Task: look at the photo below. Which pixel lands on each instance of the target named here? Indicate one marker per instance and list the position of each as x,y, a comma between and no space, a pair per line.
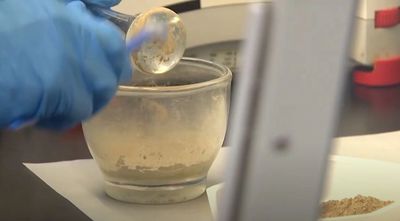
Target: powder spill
352,206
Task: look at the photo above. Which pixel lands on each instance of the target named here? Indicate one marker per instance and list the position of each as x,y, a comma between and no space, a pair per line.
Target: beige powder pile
352,206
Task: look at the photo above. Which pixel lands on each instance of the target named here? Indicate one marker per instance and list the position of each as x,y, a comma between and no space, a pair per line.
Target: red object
385,73
387,18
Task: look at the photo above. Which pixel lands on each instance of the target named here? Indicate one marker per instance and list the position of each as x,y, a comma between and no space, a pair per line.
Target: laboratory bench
24,196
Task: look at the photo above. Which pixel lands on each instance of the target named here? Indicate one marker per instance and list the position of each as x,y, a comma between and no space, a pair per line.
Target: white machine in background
217,30
215,27
376,42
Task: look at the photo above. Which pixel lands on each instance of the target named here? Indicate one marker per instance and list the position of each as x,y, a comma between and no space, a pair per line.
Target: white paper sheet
80,182
348,177
384,146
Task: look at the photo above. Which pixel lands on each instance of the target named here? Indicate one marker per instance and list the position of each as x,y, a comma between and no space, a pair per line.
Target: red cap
387,17
386,72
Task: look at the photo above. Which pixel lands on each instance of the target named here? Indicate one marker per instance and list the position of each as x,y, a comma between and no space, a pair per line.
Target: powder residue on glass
159,55
165,140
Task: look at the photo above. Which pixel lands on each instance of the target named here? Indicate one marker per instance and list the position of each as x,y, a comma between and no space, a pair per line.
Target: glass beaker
157,139
160,54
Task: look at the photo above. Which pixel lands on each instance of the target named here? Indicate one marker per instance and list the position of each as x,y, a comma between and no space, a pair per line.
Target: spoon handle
123,21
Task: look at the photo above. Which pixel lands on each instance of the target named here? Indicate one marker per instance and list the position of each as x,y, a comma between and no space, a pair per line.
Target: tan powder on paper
352,206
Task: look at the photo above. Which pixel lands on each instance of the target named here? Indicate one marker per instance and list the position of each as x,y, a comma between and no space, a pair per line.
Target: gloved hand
101,3
59,64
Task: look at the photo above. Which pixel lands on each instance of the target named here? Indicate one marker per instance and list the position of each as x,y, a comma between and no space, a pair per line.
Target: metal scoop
159,32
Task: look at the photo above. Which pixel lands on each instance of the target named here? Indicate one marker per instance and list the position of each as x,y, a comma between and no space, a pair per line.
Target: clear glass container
158,137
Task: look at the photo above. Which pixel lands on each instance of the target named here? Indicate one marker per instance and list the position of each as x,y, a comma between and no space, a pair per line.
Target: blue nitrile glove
101,3
58,63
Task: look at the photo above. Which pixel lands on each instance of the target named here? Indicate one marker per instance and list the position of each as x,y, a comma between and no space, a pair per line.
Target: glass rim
227,75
